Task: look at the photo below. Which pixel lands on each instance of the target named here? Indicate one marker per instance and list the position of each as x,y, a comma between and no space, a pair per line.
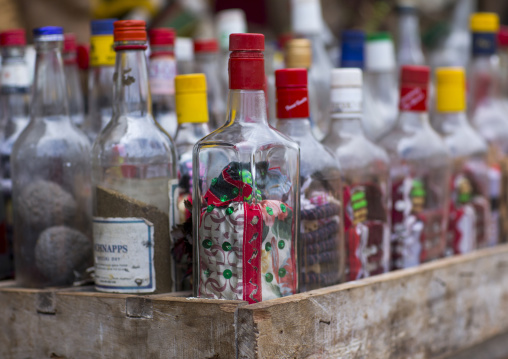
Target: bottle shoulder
465,142
357,152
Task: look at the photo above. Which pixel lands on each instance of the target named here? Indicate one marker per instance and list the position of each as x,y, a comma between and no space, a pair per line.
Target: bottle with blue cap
51,179
100,75
352,49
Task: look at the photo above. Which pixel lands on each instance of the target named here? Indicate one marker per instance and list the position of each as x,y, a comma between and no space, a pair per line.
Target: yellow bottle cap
190,98
450,89
298,53
484,22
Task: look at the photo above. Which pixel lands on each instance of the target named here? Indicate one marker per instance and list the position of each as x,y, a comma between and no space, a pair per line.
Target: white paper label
123,252
15,75
346,100
162,75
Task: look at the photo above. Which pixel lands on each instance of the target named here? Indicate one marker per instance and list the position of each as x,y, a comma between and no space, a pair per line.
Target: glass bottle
184,53
100,77
487,108
162,72
381,97
133,170
307,22
207,62
469,224
420,175
409,50
321,251
14,109
74,91
365,179
51,179
192,114
502,43
245,179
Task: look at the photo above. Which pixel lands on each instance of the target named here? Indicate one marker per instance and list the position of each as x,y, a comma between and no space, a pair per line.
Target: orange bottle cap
130,30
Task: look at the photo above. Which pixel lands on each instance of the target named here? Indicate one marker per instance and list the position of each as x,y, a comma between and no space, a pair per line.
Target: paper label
162,72
102,52
124,252
174,218
346,100
15,75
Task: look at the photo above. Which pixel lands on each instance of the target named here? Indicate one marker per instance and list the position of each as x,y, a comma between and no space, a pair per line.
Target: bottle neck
246,107
409,40
49,95
191,132
14,71
346,112
131,92
411,121
296,128
380,84
162,50
449,122
70,59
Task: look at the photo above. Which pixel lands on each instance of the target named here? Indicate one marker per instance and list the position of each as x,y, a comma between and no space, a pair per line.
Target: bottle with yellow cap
487,109
470,215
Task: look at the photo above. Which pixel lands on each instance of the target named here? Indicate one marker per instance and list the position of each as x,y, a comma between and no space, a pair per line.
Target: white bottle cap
184,49
346,77
231,21
379,54
346,91
306,17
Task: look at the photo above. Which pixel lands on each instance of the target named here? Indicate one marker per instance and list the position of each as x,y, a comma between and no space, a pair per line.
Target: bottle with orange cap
51,189
420,173
246,193
134,169
74,91
469,224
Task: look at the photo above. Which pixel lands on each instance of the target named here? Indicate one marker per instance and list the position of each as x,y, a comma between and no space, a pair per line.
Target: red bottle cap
206,45
246,62
129,30
414,82
292,94
83,56
69,43
502,36
162,37
14,37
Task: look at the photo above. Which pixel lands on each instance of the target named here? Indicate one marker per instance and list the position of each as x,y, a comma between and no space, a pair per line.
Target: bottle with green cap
470,217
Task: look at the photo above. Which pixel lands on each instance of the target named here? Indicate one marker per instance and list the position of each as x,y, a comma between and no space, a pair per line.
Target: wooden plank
494,348
425,312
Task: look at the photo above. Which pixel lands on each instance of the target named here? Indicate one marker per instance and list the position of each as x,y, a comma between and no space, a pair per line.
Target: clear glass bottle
409,49
365,179
50,164
321,241
246,180
133,170
100,77
192,114
74,91
487,108
162,72
184,53
15,112
207,62
420,173
381,95
469,224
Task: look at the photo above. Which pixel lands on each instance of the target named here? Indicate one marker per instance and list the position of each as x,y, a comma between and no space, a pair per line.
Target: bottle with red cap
134,168
365,176
74,91
51,179
420,175
246,192
321,252
100,77
206,53
162,72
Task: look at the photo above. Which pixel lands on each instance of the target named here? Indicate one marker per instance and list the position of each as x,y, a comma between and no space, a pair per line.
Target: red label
292,103
413,98
252,253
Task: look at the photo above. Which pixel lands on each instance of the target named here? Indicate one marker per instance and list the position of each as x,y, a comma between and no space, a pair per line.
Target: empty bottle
74,91
409,50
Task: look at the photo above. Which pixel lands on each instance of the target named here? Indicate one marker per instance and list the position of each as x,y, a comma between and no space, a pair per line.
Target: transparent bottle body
184,67
322,251
366,196
245,179
100,100
133,165
208,64
470,224
74,91
51,184
420,175
409,45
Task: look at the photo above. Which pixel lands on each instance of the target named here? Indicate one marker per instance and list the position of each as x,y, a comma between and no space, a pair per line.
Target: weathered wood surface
38,324
494,348
426,312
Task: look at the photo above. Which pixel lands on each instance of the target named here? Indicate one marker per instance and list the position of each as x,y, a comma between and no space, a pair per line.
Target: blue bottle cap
353,47
48,30
102,27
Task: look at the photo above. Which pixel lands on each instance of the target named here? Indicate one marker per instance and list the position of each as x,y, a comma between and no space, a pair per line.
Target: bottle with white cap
307,21
409,45
366,179
184,54
420,169
381,96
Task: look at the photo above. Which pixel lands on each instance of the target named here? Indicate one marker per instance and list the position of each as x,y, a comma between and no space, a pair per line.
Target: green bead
268,246
282,272
269,277
230,210
235,191
207,243
269,211
283,207
227,274
281,244
226,246
207,272
224,198
214,181
210,208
